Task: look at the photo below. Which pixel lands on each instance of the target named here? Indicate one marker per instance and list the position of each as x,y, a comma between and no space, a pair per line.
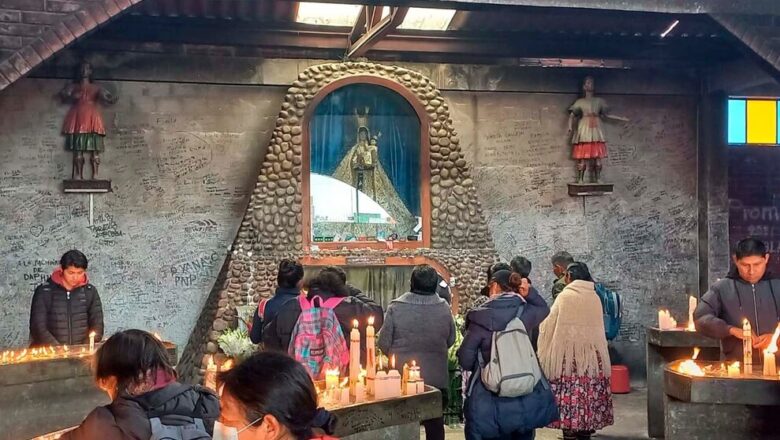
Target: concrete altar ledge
47,395
679,338
382,414
750,390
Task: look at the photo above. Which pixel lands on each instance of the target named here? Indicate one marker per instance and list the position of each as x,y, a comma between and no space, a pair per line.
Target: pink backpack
317,340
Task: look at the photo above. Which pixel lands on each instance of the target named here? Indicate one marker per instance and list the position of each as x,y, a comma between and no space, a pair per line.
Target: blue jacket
272,307
488,415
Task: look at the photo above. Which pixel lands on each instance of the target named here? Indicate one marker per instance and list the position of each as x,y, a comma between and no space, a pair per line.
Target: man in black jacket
66,308
749,292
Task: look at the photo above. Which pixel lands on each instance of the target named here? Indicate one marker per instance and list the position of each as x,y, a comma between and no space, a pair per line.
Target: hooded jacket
272,306
733,299
419,327
126,417
488,415
60,316
278,333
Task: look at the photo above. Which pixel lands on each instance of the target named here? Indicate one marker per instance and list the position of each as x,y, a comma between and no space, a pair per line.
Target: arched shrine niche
277,222
368,175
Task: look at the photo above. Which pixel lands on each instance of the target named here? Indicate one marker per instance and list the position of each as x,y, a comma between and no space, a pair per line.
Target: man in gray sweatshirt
748,292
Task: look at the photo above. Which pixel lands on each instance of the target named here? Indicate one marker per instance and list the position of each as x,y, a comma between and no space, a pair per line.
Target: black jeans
434,428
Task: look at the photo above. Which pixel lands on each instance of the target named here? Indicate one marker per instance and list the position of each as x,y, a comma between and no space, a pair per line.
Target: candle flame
392,362
92,334
696,351
227,365
690,368
371,320
355,323
414,363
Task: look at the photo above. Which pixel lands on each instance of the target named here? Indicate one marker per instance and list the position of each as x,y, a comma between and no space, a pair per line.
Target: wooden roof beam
375,33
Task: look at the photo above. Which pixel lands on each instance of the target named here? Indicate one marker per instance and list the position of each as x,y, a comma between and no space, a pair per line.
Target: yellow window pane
761,122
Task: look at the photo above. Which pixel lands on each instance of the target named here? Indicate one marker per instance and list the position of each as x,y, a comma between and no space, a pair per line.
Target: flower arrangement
235,343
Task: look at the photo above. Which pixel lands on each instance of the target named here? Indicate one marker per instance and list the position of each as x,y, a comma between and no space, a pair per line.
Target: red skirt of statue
84,117
589,150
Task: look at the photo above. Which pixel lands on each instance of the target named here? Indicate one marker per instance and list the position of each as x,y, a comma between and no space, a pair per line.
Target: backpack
513,369
613,310
317,340
176,426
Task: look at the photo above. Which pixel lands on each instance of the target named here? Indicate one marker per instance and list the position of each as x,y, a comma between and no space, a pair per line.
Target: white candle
210,381
733,370
370,356
691,308
414,371
770,368
331,378
92,335
380,385
747,346
354,358
420,386
393,380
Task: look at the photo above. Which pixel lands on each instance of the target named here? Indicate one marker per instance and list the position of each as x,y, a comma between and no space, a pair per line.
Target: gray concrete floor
630,421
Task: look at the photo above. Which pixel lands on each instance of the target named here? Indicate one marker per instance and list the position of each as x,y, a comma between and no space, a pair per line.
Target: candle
92,335
770,369
405,380
394,383
354,359
665,320
733,370
370,356
210,380
747,347
420,386
691,308
331,378
380,385
415,371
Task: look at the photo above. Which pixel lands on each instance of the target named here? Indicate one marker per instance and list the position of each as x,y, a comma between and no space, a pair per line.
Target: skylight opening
427,19
327,14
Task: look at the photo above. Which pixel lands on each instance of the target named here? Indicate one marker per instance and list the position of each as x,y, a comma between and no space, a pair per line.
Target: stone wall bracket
590,189
91,187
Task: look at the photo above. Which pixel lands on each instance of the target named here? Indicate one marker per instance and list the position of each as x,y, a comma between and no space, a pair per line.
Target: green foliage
235,343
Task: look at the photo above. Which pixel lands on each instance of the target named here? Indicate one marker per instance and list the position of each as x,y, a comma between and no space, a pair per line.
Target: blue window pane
737,123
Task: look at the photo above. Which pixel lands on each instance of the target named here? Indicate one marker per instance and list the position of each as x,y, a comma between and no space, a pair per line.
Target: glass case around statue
365,167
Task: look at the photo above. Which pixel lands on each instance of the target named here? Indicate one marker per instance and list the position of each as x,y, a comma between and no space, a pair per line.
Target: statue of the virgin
361,169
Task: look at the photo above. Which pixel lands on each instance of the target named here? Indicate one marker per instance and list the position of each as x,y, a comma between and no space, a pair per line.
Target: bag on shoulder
177,426
317,340
613,310
513,369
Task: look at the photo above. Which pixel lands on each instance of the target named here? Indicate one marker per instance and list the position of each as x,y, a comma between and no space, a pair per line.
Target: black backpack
167,425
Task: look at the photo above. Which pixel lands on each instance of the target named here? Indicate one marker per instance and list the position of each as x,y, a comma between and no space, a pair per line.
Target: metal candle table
664,346
715,407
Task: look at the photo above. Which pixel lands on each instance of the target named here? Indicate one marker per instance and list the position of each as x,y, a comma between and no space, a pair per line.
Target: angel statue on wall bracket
588,142
84,129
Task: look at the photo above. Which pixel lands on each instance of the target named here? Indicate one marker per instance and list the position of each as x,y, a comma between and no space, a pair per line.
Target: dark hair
327,281
424,279
495,267
563,259
521,265
750,247
270,383
74,258
579,271
290,273
131,355
506,279
338,271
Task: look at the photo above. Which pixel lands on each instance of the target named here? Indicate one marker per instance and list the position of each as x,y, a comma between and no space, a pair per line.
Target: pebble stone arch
273,225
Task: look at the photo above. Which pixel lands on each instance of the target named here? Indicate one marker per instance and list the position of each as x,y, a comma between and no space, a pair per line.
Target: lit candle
747,347
331,378
92,335
354,359
733,370
415,371
405,379
210,380
370,356
394,384
691,308
770,369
